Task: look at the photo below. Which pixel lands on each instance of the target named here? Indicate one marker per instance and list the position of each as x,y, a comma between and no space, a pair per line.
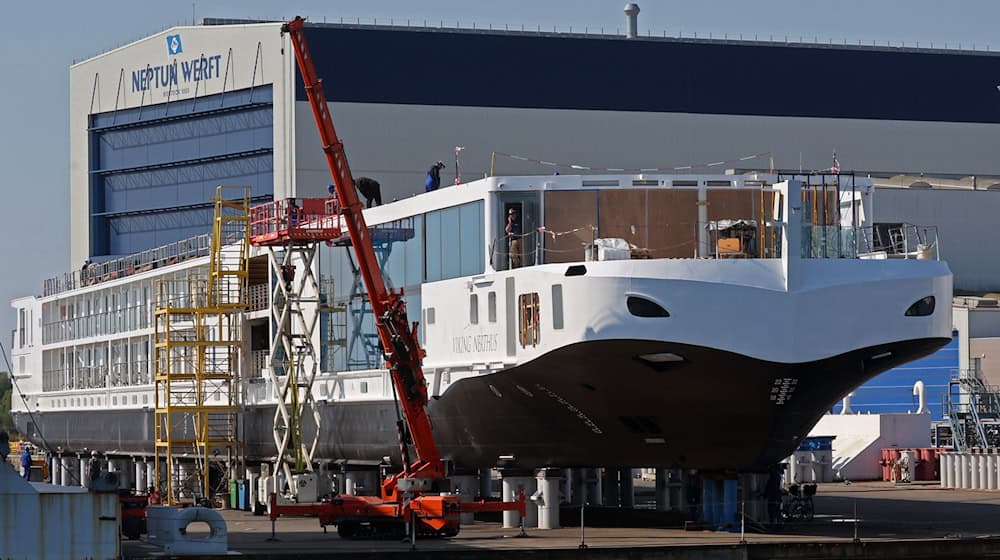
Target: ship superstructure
703,321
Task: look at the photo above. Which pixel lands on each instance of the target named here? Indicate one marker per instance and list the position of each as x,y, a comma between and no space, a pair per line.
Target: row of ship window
111,311
77,402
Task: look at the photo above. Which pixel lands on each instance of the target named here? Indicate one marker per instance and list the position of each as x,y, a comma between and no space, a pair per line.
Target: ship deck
920,520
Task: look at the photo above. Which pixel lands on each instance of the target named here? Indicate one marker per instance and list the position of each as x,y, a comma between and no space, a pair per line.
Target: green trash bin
233,494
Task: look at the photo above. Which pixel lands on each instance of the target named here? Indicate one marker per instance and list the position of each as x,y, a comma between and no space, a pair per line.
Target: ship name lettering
475,343
572,409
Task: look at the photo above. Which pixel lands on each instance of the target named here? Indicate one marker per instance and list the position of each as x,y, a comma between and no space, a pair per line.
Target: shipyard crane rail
419,492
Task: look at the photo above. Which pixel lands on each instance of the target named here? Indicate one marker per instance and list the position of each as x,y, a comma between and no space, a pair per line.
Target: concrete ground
885,512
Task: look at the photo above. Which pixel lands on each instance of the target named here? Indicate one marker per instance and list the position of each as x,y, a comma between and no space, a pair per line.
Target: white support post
547,498
151,474
946,470
140,475
466,485
964,470
83,471
511,485
66,465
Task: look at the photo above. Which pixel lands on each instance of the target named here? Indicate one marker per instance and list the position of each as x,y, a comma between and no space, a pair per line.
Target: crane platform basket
296,221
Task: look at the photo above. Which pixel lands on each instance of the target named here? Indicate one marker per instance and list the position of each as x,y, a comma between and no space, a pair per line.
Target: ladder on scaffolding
197,357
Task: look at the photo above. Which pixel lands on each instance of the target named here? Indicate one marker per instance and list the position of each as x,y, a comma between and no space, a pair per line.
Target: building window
528,323
474,309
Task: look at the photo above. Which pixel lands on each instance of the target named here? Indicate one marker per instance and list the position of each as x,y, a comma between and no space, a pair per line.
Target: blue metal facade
154,169
892,391
535,70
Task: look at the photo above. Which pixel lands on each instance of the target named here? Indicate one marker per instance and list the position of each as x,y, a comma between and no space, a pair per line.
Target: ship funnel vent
631,20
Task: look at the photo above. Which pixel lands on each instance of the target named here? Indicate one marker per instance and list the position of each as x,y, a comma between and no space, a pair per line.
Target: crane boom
398,337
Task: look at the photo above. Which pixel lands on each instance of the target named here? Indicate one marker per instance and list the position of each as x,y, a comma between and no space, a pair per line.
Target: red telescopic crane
435,512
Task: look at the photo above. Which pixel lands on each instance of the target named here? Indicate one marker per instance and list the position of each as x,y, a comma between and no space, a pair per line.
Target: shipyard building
156,124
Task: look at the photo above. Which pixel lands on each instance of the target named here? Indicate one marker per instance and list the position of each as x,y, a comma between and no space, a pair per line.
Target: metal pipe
631,20
920,392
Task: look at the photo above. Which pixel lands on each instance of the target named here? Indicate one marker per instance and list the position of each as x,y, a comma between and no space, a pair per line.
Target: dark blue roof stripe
539,71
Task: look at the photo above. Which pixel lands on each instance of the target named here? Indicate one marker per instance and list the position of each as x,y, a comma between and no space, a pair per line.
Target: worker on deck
370,189
154,497
84,280
433,181
513,230
4,446
26,462
94,467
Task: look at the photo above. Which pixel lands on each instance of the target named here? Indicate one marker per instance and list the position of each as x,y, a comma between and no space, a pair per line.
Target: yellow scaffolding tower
198,352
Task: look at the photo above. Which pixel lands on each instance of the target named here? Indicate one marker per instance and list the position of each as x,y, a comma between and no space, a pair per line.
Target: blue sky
42,38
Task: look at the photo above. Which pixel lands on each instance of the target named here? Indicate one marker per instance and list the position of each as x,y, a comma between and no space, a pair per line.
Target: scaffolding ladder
198,356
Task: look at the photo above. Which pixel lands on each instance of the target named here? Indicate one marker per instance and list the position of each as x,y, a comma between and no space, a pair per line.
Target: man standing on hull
433,181
513,231
370,189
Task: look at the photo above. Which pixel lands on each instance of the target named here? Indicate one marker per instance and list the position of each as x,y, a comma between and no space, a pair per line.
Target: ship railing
158,257
880,241
259,360
725,239
258,296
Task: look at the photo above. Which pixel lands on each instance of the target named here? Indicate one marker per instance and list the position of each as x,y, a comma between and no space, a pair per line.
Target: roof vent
631,20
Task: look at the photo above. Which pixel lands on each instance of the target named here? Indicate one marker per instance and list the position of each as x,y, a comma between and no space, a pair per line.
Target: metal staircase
197,356
973,411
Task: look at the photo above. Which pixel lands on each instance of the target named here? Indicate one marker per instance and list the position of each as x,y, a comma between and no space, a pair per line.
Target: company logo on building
177,74
174,44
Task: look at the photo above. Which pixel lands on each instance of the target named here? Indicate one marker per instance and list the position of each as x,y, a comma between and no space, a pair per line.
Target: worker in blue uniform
433,181
26,462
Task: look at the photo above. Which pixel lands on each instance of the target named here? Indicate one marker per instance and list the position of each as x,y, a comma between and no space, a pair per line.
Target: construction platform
894,521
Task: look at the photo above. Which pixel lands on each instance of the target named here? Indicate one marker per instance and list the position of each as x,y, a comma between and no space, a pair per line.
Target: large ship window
528,323
557,306
454,242
474,309
491,300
